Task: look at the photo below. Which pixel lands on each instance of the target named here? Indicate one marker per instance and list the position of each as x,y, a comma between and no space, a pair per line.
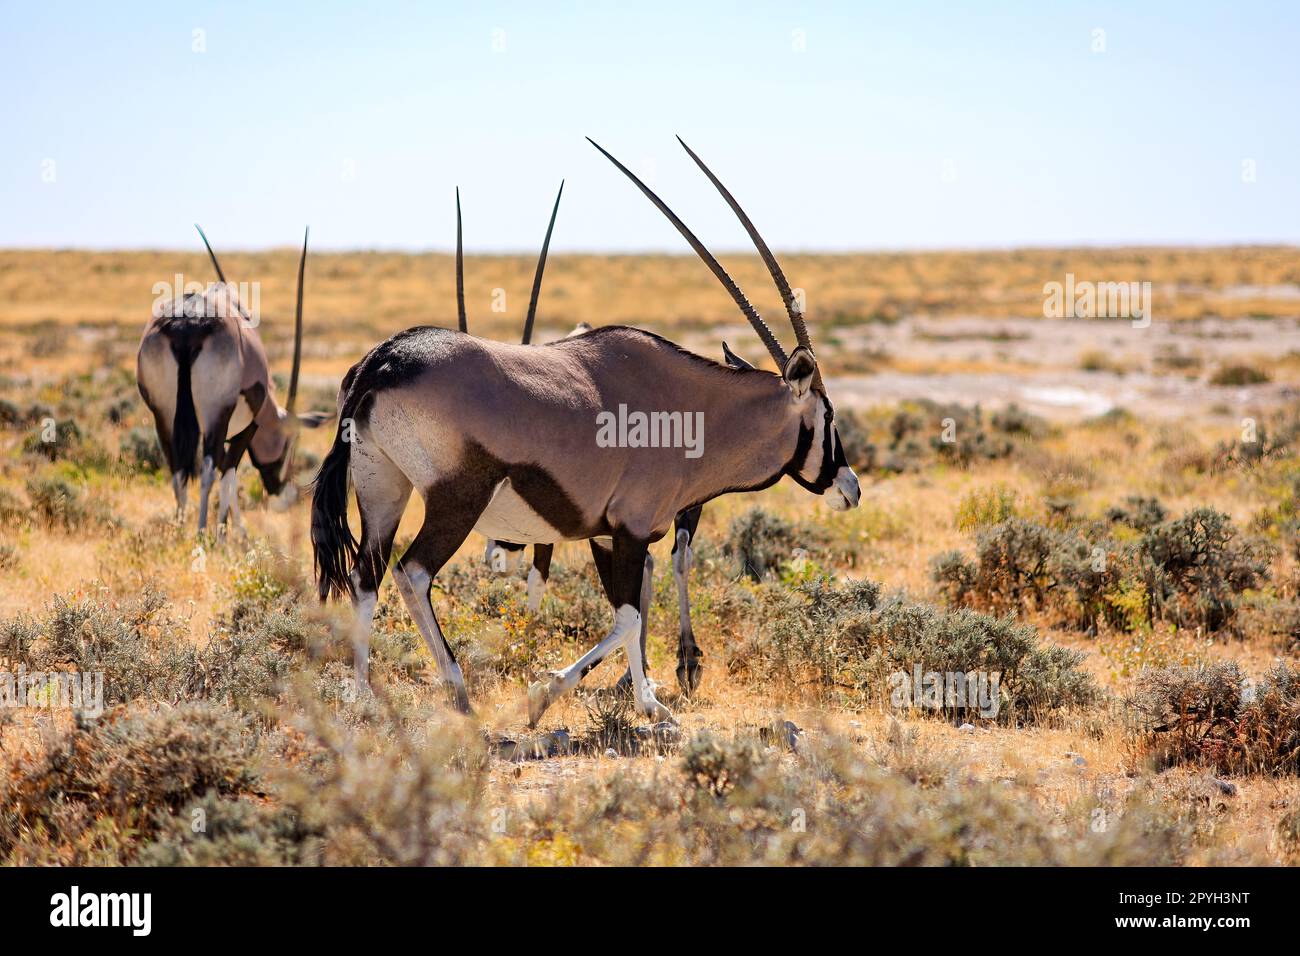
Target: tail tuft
185,424
333,546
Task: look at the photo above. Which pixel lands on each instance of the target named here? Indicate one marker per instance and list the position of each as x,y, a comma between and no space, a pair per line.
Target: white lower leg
413,582
228,497
642,691
536,589
206,476
681,569
627,621
178,489
364,606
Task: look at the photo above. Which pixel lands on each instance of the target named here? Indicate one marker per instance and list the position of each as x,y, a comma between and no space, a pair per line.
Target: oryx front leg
451,507
689,654
544,693
539,574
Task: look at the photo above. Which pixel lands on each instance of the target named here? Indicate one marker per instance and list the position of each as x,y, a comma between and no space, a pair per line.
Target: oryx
502,439
497,553
203,372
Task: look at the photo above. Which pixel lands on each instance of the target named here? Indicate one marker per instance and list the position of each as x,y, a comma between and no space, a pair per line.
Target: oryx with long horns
203,372
502,439
497,553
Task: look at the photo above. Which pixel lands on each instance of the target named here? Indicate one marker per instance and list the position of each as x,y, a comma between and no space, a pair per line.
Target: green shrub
140,451
1196,566
845,639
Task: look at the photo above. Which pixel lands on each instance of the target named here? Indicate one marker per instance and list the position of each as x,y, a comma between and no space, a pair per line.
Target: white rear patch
509,518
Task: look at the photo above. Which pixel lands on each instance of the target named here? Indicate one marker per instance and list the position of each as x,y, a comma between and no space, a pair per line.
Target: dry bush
94,795
847,640
1209,716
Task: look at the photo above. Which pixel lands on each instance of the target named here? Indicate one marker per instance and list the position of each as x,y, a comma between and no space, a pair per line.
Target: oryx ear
799,371
732,359
314,419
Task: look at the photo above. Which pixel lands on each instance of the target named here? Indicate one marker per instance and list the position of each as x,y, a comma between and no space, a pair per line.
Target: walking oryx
502,439
496,553
203,373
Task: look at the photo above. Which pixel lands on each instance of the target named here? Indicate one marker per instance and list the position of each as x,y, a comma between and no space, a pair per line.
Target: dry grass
334,781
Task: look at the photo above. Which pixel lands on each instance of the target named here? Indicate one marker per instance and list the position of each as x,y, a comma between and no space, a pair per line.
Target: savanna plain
1103,514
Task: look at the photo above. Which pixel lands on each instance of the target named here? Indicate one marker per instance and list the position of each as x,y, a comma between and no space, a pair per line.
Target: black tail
185,426
333,546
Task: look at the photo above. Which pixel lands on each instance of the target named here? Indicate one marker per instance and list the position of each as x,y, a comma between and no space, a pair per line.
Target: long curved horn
460,271
787,296
211,255
297,329
764,333
286,470
541,267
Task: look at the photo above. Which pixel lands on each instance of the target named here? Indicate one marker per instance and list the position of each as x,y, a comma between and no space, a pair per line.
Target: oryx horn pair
792,306
537,276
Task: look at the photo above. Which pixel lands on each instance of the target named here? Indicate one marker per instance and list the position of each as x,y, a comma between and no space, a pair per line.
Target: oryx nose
847,482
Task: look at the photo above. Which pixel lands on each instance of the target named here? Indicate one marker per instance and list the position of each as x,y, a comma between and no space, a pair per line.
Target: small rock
611,752
1226,787
967,728
1079,761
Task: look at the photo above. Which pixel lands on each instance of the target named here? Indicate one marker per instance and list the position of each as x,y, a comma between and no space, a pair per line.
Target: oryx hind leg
214,449
689,656
228,489
382,494
451,509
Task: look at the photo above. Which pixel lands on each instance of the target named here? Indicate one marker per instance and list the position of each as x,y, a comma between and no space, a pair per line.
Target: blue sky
839,126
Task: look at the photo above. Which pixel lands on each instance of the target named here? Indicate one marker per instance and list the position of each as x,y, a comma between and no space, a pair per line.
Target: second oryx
203,372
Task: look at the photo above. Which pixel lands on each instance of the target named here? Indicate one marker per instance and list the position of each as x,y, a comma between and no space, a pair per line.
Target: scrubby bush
1238,374
219,831
96,790
58,503
1195,568
847,639
1138,512
1210,716
140,451
761,542
1190,571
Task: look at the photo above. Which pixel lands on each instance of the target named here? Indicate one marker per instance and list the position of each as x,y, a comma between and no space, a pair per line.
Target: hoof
689,674
658,713
690,669
624,686
539,699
